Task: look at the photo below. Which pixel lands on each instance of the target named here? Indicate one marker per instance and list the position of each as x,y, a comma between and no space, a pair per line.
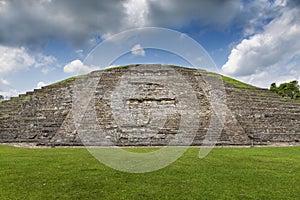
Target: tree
290,89
1,97
273,87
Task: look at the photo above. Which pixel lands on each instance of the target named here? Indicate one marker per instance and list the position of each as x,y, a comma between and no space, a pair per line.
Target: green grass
4,116
236,82
226,173
67,80
224,78
63,81
232,81
119,67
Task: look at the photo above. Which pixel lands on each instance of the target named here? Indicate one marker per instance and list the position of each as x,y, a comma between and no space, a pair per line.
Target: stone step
44,116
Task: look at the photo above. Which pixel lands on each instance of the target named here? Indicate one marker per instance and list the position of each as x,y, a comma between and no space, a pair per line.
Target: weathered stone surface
148,115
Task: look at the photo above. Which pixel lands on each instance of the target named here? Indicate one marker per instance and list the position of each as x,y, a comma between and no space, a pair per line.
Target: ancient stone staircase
45,116
265,116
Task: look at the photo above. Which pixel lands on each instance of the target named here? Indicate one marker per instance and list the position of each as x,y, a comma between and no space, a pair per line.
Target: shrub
291,89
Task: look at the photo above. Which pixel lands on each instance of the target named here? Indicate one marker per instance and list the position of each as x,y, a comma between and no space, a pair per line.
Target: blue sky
44,41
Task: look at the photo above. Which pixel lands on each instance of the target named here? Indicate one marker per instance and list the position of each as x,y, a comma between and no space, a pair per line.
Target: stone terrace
44,116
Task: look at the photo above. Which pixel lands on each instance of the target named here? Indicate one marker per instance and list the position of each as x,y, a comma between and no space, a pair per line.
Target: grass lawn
226,173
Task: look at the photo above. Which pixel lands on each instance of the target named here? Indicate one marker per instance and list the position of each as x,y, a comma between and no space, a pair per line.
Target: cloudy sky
44,41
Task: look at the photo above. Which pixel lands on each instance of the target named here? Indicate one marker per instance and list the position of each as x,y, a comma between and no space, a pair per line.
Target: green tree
290,89
273,87
1,97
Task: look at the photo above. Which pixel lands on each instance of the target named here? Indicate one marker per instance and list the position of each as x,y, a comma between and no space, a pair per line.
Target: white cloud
9,93
44,61
137,12
199,59
138,50
183,36
80,52
280,3
265,78
44,19
112,66
268,56
15,59
255,14
77,67
178,13
41,84
46,70
75,21
4,82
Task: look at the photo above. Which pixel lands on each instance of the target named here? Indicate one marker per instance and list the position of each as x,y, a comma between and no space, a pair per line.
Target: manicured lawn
226,173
